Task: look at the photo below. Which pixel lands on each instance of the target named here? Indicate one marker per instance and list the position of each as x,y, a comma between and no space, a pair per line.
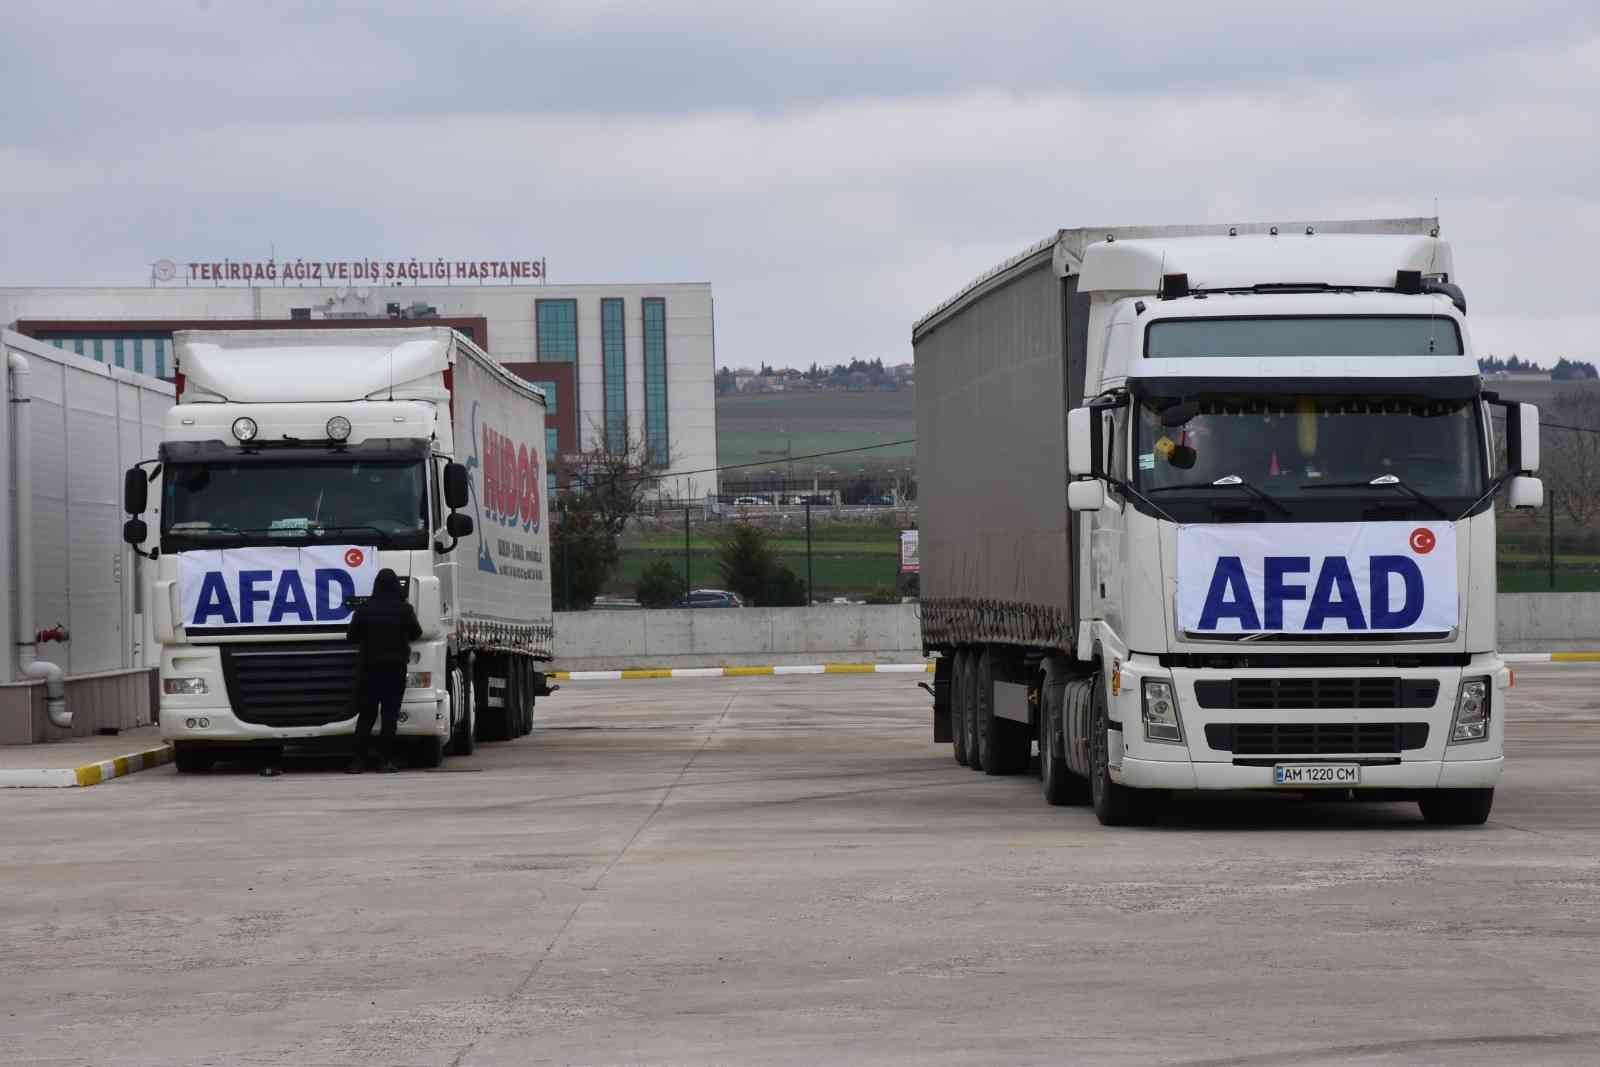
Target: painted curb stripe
90,773
742,672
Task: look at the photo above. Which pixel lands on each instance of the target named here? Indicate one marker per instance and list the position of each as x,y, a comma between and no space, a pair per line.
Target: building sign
909,560
350,271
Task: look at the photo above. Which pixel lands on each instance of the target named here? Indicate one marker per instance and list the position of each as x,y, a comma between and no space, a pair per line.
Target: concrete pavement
786,870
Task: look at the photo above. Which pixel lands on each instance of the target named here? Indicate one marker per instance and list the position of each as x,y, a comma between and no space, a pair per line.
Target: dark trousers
382,686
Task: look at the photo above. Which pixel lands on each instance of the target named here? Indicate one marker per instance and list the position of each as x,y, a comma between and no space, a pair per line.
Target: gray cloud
834,169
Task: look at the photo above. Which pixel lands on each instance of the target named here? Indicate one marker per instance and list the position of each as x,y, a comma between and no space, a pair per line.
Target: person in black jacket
384,626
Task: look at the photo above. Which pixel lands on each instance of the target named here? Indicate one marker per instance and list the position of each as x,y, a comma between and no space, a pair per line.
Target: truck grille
1316,738
1270,694
309,684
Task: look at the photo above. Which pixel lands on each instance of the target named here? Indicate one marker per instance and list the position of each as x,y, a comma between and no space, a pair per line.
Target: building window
100,349
552,444
116,347
558,330
138,354
655,380
550,395
615,371
161,357
77,345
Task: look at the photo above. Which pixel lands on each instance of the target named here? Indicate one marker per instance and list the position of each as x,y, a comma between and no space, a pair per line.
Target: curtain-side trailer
1212,507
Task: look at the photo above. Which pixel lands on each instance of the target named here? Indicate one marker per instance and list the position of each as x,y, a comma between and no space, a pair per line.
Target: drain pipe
29,665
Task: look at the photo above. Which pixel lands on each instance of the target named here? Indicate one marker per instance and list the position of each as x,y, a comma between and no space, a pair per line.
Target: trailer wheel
463,736
969,711
1004,747
958,707
1457,807
1114,805
190,758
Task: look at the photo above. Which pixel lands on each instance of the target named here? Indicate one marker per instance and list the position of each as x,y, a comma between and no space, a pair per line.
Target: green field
751,424
846,558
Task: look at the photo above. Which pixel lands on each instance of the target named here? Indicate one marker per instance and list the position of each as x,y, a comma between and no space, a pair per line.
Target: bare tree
614,483
1571,458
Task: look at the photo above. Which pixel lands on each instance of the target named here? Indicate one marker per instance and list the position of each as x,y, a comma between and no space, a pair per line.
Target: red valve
54,633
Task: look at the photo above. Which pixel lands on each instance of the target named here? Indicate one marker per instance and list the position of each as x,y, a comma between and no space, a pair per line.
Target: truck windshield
1290,446
224,504
1307,335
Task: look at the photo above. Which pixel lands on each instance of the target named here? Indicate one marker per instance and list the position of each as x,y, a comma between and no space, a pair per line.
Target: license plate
1303,775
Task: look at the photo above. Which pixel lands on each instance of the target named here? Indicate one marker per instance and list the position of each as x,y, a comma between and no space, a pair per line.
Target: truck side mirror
1080,442
458,525
135,492
455,486
1525,493
134,531
1086,496
1522,439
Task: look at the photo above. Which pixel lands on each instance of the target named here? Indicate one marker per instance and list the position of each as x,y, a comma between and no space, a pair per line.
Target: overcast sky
833,169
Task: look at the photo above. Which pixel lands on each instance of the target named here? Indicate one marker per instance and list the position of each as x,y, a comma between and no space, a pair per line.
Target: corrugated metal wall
991,462
90,422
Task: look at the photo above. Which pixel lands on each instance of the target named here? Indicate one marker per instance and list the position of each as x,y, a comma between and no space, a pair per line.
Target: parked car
748,500
880,500
709,598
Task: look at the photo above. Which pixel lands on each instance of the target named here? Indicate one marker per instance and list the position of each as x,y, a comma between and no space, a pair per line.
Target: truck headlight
419,680
1161,713
184,687
1472,712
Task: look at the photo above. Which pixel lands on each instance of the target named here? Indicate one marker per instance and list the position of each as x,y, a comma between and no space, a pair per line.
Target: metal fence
1555,549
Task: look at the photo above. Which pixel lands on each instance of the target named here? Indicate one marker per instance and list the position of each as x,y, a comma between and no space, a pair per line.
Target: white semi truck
1213,507
295,465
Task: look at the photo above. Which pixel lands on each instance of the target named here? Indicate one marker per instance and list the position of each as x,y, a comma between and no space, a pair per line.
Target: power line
590,481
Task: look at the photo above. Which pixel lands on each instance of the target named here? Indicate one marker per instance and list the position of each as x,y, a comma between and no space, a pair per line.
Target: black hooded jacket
385,625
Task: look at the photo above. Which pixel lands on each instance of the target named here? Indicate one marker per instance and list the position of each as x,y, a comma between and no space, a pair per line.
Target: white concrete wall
606,640
709,637
1549,622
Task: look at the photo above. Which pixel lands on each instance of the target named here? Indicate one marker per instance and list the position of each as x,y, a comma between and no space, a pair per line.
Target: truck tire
958,707
190,758
1004,747
1060,786
969,710
1457,807
1114,805
463,731
427,752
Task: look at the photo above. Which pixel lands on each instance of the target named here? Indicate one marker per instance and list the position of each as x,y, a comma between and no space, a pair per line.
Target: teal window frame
556,330
653,315
614,371
550,395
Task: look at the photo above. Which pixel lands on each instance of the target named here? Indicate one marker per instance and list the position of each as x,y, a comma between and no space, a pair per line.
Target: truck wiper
1383,481
1229,481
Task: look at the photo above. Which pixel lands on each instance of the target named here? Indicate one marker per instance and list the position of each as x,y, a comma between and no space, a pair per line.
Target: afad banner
274,586
1317,578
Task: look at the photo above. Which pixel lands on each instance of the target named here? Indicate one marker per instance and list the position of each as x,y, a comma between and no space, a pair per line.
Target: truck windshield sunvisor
235,504
1302,336
396,449
1290,446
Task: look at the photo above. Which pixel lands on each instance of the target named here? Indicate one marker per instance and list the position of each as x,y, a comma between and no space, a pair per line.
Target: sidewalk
82,760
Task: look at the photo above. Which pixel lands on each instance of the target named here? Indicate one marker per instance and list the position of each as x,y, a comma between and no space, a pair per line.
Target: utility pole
1550,507
687,583
811,581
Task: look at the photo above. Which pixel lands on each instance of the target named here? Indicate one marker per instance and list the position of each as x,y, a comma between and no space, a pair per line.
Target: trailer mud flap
941,699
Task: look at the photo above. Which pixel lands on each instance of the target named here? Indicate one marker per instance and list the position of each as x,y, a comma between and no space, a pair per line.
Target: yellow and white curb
1551,657
742,672
88,774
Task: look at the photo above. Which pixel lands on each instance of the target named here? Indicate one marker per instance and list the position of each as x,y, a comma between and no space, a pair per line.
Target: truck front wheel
1060,785
190,758
463,735
1457,807
1114,805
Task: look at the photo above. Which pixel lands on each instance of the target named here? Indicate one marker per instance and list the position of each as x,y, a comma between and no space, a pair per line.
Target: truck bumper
1229,746
1420,774
423,713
